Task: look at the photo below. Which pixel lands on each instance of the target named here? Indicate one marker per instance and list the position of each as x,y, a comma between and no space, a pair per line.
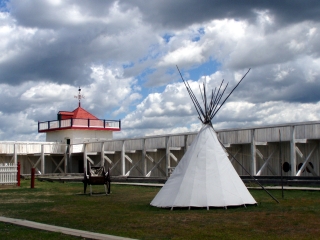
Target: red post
18,175
33,170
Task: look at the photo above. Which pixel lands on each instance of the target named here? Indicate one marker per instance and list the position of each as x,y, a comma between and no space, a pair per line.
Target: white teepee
204,177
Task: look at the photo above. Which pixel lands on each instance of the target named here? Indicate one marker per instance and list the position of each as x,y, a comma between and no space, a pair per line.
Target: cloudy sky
124,54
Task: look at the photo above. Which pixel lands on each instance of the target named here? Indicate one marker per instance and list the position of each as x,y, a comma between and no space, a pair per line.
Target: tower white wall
78,136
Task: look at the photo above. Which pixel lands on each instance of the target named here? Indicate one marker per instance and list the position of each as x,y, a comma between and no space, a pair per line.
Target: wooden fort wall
256,149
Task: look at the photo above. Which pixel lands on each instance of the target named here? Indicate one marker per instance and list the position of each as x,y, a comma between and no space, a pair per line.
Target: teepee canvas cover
204,176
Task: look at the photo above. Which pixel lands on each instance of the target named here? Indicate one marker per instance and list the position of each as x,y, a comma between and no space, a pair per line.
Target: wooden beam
108,160
42,159
253,154
227,145
173,157
92,153
85,163
232,159
109,152
123,159
167,155
186,143
157,166
261,143
143,156
58,166
37,162
90,160
301,140
65,155
128,158
304,165
151,150
175,148
130,151
102,162
298,151
149,157
293,159
266,163
135,166
15,156
115,164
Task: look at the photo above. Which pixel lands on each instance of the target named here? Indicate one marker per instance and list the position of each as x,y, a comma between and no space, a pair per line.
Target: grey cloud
16,130
167,13
63,52
43,14
260,86
179,14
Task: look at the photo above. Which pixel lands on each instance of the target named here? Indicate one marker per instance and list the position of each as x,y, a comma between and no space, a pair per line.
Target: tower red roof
77,113
79,119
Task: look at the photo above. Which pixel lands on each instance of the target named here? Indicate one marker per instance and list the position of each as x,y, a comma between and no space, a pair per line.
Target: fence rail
8,173
79,123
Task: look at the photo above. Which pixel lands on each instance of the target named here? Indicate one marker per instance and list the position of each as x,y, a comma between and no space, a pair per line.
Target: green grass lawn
127,212
11,231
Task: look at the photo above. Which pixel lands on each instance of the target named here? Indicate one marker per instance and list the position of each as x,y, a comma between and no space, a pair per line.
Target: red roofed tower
78,126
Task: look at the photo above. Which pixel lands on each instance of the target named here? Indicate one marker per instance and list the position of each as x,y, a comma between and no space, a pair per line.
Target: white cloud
117,53
110,89
46,92
248,115
190,53
18,127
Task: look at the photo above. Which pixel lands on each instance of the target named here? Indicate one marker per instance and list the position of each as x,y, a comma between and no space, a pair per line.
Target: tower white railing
113,125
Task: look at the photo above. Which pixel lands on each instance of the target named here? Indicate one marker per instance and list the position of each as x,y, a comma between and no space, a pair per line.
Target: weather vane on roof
79,96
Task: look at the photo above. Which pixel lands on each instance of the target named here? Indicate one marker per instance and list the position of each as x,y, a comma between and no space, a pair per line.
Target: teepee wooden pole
231,92
193,98
217,103
201,93
249,173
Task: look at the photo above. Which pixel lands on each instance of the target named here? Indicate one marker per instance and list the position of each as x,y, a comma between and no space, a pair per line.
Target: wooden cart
97,176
